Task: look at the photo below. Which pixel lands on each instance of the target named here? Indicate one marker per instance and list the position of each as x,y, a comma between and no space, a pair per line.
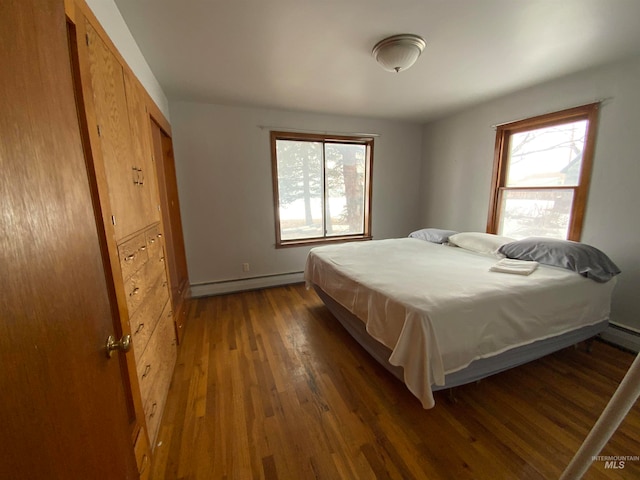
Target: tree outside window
322,187
541,174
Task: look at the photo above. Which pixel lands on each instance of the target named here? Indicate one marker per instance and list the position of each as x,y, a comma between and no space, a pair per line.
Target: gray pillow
584,259
433,235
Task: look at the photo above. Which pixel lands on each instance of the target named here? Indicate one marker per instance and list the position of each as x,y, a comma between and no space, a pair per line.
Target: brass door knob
124,344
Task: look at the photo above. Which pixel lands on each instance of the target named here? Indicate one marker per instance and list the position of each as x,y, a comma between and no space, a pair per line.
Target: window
322,187
541,174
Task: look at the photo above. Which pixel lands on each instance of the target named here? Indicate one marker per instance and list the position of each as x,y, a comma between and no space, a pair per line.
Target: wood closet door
171,220
127,174
63,410
140,123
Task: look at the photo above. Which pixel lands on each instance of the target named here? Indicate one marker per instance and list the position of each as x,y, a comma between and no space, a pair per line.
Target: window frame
504,132
367,141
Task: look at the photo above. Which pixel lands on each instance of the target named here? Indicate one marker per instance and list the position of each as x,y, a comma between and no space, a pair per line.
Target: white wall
226,193
458,163
107,13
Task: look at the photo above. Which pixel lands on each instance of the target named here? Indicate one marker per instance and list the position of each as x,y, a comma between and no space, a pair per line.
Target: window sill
322,241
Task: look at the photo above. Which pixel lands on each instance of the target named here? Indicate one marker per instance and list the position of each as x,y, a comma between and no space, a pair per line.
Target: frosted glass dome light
399,52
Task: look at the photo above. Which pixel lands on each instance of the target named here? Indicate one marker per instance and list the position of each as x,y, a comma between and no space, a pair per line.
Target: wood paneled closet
91,251
130,161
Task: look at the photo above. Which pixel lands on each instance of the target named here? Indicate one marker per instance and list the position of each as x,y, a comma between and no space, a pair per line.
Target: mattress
439,308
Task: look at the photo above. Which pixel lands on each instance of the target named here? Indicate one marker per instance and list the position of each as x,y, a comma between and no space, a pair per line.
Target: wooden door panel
141,142
63,411
175,251
123,170
177,238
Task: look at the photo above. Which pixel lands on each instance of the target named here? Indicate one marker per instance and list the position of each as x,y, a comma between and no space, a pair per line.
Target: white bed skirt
478,369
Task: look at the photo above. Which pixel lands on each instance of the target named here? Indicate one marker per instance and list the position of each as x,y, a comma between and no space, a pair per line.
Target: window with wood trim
322,187
542,169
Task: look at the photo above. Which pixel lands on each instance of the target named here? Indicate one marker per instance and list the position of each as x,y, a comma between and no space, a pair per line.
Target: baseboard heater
244,284
622,336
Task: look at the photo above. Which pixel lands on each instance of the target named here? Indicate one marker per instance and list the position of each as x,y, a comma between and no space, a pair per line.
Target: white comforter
438,308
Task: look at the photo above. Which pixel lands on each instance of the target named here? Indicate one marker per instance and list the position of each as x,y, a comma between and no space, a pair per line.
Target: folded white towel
519,267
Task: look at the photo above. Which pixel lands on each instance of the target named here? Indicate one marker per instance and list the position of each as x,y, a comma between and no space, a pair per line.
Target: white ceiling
315,55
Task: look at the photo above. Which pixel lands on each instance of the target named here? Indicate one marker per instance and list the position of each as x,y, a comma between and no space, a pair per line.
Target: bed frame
478,369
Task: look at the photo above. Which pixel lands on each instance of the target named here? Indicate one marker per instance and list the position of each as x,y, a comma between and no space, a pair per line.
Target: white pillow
479,242
433,235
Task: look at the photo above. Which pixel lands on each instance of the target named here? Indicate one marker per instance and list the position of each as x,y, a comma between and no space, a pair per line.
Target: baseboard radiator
622,336
244,284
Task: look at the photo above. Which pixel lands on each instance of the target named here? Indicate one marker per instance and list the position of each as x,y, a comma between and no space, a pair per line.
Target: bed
436,316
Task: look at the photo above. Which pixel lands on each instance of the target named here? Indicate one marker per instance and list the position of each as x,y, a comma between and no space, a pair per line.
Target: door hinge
99,132
86,36
113,220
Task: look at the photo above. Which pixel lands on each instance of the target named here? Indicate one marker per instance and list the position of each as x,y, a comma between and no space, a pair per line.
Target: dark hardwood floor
269,385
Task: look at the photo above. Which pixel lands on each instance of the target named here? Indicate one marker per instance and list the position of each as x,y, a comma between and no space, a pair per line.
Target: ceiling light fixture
399,52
